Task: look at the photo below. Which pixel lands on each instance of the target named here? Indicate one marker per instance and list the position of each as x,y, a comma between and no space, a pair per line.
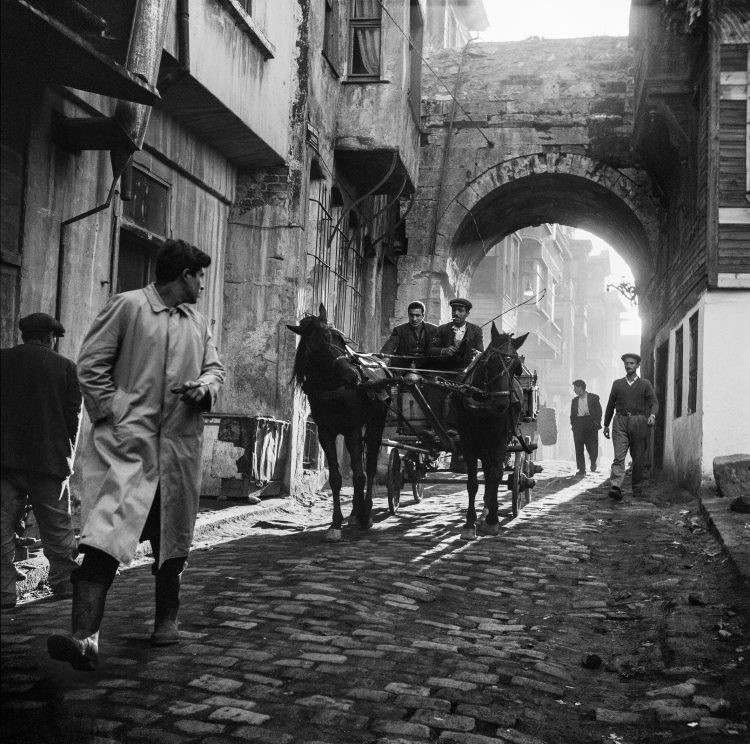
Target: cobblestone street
584,621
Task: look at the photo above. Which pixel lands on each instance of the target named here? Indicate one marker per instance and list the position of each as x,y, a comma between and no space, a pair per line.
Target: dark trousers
101,568
629,433
586,434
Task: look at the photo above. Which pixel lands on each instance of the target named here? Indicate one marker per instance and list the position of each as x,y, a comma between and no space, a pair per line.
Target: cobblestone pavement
583,621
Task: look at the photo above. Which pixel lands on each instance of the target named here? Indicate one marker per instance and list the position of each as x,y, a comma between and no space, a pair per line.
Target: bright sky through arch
511,20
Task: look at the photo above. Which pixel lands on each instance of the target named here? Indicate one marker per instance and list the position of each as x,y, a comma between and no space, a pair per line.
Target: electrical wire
490,143
534,298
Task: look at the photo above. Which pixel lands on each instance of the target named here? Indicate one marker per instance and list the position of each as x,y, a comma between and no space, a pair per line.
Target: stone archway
555,187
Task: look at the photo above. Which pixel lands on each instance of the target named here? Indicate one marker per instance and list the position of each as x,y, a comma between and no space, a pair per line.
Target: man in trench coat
147,368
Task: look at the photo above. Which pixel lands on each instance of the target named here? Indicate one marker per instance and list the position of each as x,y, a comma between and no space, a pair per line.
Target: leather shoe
165,633
615,493
81,653
581,472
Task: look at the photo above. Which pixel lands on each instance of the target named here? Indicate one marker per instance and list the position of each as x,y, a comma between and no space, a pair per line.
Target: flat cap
460,302
40,322
637,357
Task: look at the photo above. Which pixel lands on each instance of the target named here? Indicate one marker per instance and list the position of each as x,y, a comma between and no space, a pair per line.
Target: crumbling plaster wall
533,98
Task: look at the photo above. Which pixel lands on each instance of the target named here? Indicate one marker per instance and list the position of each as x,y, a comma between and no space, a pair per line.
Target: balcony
236,92
75,46
377,134
545,337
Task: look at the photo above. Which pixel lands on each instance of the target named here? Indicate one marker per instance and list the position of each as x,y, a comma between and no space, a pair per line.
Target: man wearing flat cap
634,406
458,340
41,401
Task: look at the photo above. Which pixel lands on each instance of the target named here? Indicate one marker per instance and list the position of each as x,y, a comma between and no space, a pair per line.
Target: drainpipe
183,48
123,133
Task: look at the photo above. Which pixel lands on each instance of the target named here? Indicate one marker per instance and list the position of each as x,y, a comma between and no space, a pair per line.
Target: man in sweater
634,401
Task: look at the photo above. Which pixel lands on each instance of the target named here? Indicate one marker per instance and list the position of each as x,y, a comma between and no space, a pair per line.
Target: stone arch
557,187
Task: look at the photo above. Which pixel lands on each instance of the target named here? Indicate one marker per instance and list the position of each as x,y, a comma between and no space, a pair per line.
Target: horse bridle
502,353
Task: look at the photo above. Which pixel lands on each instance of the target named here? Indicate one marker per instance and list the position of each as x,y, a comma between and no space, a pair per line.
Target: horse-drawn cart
422,440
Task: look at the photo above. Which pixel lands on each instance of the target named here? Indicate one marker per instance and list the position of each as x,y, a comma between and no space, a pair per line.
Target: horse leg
353,441
374,437
490,524
472,486
328,445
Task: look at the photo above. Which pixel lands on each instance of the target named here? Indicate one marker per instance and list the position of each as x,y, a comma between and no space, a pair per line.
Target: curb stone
732,530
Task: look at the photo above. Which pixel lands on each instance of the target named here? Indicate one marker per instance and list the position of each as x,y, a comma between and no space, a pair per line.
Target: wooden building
692,129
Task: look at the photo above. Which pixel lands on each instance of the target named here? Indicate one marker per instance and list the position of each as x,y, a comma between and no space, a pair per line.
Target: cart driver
458,340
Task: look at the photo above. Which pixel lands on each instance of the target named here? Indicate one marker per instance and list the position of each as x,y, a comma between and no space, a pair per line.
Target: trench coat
143,435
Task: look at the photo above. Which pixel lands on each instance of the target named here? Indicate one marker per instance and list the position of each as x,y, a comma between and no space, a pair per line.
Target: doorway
660,388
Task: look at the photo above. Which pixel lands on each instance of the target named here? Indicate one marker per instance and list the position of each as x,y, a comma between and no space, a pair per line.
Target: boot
81,649
167,594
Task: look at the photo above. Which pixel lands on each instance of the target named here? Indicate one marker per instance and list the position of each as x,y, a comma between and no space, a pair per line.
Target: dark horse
330,377
486,422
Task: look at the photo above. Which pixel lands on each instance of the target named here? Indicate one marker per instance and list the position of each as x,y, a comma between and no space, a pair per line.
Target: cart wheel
394,481
528,475
515,483
414,470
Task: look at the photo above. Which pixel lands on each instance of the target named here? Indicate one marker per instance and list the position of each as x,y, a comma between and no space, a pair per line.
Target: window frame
363,24
692,397
678,372
330,48
337,263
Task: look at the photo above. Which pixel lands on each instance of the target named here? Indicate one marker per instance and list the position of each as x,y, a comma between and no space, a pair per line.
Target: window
149,205
311,451
336,271
330,45
535,274
678,373
145,221
693,365
364,39
136,261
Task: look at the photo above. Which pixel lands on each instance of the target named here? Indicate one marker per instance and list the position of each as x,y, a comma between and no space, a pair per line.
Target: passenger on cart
410,339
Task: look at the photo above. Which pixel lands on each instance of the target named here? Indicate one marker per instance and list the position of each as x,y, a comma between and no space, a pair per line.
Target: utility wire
437,77
533,298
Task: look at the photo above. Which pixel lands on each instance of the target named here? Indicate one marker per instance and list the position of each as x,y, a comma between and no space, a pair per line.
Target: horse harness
497,399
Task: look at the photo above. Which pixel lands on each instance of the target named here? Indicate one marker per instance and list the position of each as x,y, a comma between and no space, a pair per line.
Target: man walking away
634,402
148,368
41,403
585,420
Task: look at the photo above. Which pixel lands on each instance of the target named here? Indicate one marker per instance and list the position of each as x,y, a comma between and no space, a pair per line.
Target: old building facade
287,139
692,129
543,280
560,131
281,137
